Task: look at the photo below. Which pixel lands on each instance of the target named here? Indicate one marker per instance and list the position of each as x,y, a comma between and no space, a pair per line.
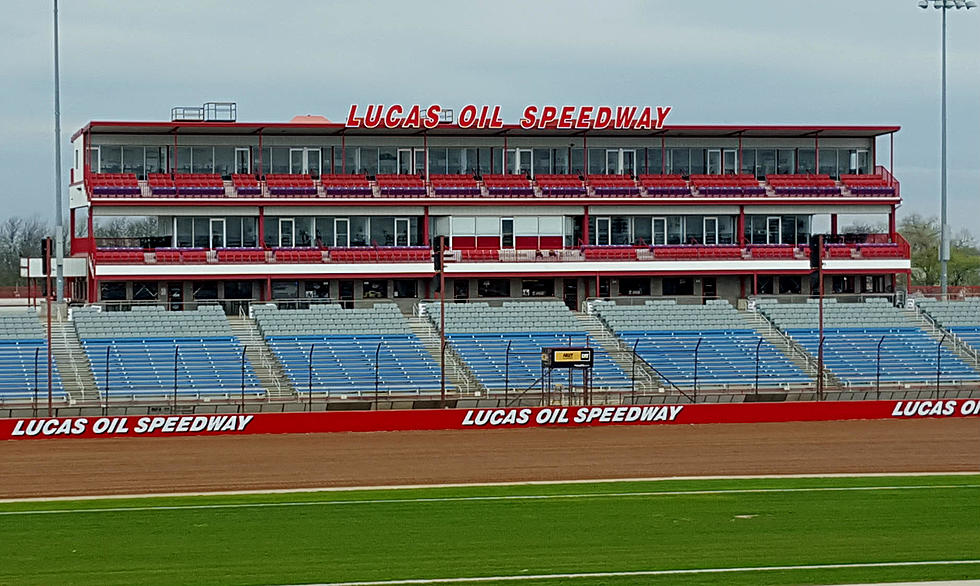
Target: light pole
944,5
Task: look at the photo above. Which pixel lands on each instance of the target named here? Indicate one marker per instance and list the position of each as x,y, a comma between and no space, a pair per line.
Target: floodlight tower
944,5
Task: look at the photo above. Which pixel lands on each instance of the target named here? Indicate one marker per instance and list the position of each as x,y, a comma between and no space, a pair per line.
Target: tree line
21,237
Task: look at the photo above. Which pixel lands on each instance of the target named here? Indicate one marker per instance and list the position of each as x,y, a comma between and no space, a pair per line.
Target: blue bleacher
852,332
725,357
209,357
17,373
666,334
486,356
344,345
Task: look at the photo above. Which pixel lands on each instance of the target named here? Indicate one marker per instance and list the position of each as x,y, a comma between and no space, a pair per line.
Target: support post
176,351
309,387
442,322
48,299
37,353
820,317
107,350
507,373
878,369
939,362
377,380
633,376
244,349
697,348
758,345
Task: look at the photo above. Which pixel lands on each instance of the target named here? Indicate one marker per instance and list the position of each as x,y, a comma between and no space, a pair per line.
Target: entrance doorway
570,293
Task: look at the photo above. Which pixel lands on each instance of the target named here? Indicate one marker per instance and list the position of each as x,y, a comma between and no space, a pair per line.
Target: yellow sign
572,355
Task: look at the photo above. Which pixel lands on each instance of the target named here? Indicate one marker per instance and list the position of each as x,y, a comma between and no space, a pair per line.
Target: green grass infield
741,527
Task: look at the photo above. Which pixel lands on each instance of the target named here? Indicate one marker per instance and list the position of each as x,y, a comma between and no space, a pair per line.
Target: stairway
457,374
646,380
792,350
964,352
267,368
69,357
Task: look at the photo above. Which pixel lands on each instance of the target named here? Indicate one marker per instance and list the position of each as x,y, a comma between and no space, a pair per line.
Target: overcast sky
721,61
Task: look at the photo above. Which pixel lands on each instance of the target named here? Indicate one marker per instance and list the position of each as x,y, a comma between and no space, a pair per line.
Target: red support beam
891,224
833,224
741,225
261,242
425,226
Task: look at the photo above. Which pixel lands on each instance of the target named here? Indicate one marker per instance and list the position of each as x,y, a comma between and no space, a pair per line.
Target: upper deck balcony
211,189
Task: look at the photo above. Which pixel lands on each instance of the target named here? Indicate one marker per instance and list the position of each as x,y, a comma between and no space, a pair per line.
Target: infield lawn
510,531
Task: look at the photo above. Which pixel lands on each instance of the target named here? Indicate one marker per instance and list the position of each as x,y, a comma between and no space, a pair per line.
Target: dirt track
129,466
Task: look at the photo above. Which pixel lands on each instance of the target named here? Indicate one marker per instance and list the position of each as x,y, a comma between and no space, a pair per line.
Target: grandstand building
244,212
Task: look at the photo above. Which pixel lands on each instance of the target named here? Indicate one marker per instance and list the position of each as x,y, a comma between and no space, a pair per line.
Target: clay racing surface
60,467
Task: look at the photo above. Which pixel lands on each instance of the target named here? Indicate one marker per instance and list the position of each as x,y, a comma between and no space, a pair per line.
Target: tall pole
377,380
309,388
939,362
176,362
878,369
697,347
244,349
507,373
58,220
442,323
48,299
944,229
820,317
758,345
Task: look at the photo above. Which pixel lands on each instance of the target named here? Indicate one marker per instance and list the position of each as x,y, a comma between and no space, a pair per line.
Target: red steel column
833,224
741,226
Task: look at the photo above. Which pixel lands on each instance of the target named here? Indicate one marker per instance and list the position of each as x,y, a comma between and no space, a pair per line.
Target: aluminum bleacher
961,318
852,332
666,334
344,343
22,341
141,346
480,334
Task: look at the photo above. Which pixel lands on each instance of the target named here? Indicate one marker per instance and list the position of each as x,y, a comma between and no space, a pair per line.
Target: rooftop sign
533,116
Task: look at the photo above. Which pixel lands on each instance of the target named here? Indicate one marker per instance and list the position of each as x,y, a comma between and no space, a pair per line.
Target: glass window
485,157
111,159
493,288
538,288
279,160
597,161
694,230
560,160
621,230
249,231
285,289
675,229
785,161
726,230
405,288
542,161
766,161
271,231
807,161
387,160
233,231
578,160
748,162
202,160
303,227
350,159
634,286
369,161
678,286
382,231
642,230
654,161
359,231
224,161
828,162
680,161
456,161
317,289
863,162
185,232
375,289
802,229
156,160
202,235
133,161
697,161
789,230
145,291
438,161
181,161
112,291
205,290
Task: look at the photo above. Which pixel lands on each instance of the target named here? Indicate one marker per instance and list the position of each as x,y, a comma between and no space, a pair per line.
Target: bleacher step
646,380
69,357
456,372
267,368
790,349
951,343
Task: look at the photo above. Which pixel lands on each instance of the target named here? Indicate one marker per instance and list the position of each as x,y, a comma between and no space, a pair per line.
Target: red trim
491,201
261,227
336,128
474,419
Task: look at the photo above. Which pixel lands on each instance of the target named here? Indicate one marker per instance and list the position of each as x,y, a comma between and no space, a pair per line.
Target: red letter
467,116
352,121
372,118
644,121
584,117
565,120
624,117
529,117
548,115
662,115
496,121
432,116
391,118
414,118
603,116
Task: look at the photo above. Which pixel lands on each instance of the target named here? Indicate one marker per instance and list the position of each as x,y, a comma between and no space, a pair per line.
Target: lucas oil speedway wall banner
509,418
